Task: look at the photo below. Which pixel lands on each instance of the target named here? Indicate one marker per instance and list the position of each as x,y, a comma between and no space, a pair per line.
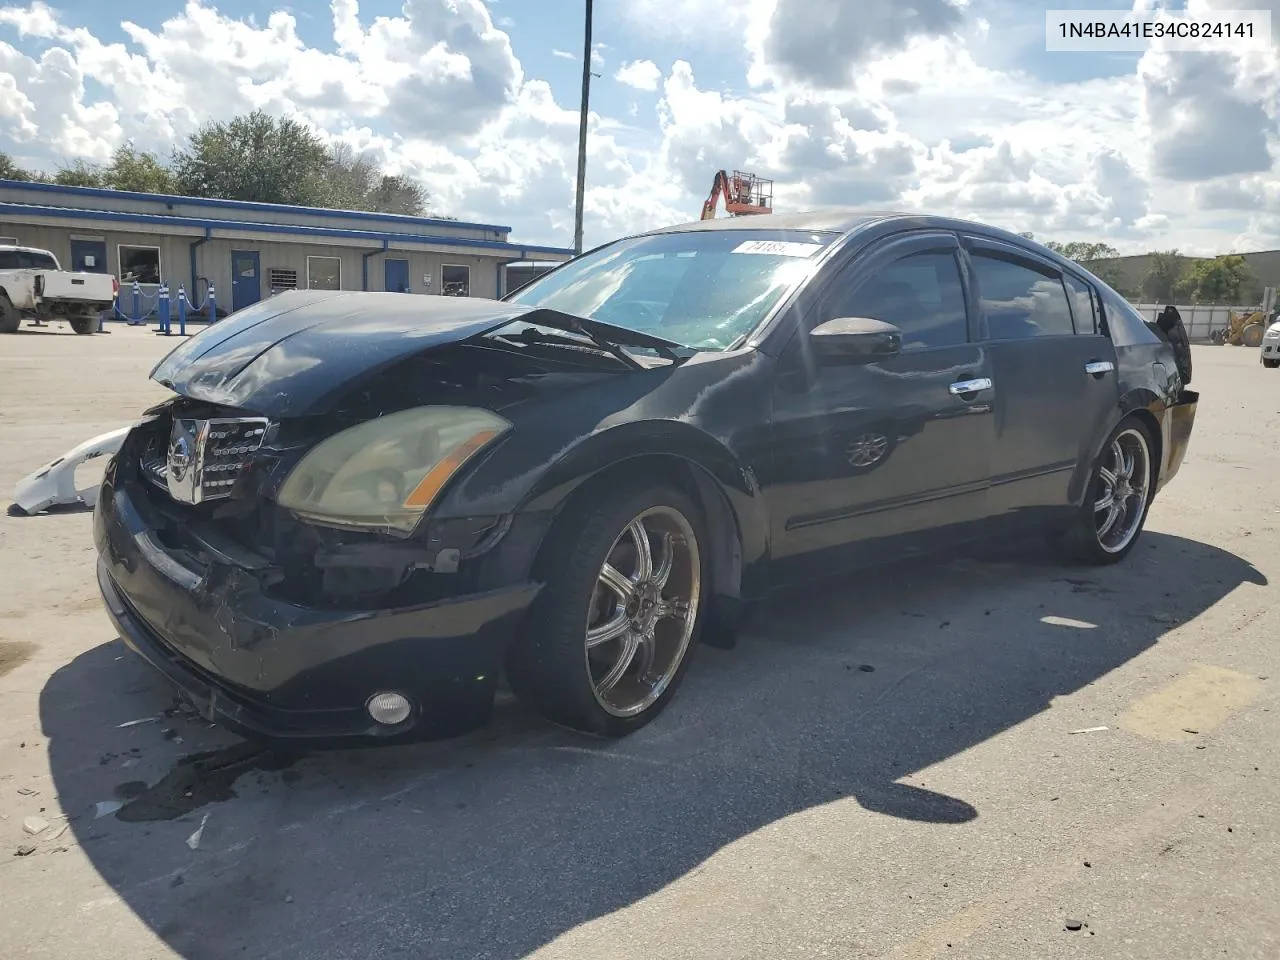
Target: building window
8,241
455,281
139,264
278,278
324,273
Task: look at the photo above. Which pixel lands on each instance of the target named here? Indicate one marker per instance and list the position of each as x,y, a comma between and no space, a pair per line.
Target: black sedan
360,510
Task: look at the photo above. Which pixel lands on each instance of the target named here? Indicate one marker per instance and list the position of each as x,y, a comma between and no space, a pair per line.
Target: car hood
298,353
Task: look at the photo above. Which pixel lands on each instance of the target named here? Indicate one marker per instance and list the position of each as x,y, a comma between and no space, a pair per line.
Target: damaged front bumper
275,670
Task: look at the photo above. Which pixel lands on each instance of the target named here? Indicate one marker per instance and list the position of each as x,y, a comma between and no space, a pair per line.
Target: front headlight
384,474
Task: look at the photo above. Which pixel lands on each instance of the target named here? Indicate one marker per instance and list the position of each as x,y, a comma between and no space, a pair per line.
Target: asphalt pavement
990,756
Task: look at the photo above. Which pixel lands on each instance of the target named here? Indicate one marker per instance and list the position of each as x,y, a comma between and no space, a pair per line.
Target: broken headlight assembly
385,474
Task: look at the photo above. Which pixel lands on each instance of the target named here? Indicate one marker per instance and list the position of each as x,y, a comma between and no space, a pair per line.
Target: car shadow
495,844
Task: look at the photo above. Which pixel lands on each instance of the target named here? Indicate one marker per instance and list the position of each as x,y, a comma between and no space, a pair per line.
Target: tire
10,318
1270,364
1252,335
1088,538
565,675
1170,323
84,325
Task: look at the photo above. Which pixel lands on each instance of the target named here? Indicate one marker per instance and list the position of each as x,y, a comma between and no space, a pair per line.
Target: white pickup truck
33,284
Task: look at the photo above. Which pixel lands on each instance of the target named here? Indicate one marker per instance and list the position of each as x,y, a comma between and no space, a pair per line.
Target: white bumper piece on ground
55,482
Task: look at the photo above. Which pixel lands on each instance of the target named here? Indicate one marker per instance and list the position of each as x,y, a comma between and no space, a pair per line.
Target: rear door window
1084,306
1020,301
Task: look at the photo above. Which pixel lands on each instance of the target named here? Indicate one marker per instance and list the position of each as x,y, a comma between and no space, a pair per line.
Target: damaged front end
281,627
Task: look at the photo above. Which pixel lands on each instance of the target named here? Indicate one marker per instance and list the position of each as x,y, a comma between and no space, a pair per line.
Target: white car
1271,345
33,284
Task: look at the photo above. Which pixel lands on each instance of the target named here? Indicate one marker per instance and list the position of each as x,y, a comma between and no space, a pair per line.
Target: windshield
700,288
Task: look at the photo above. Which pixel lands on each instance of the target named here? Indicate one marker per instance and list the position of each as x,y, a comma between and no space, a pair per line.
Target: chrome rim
643,610
866,449
1120,491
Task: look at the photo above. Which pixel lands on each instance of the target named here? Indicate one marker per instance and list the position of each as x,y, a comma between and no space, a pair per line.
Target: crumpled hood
294,353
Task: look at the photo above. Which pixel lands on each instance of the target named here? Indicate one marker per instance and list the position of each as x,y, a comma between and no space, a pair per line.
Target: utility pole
582,134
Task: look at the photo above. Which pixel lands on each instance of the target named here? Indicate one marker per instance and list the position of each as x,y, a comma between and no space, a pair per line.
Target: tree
255,157
397,194
1215,281
79,173
11,171
138,171
1161,282
1082,252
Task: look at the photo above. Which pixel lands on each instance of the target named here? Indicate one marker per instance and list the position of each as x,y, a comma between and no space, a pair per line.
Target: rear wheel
620,609
1118,497
10,318
84,324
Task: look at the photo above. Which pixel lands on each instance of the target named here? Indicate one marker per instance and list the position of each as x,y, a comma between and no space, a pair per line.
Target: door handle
1097,368
962,387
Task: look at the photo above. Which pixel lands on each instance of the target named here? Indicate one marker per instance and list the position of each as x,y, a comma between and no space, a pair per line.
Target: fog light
389,708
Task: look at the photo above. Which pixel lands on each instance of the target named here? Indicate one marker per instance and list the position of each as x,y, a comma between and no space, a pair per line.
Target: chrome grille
203,458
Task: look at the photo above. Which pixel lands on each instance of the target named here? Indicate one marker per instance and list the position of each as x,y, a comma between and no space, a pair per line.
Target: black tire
1082,540
548,666
1175,332
1271,364
84,325
10,318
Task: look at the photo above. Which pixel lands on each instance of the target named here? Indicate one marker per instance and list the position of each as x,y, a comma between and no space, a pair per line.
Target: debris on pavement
193,841
25,850
134,723
1089,730
104,808
35,825
1074,924
27,791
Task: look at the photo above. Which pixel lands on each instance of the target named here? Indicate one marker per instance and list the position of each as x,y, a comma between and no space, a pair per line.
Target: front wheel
1118,497
620,609
10,318
1270,363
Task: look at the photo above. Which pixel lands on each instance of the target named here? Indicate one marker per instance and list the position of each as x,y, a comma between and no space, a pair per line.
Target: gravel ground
791,803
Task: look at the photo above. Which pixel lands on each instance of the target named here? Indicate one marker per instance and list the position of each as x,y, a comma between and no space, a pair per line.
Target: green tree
255,157
79,173
11,171
1160,285
1219,280
1082,252
138,171
397,194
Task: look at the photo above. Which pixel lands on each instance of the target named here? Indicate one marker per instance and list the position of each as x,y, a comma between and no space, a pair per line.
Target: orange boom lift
744,193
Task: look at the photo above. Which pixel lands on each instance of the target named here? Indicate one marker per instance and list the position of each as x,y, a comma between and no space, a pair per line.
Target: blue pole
182,311
136,318
213,304
162,309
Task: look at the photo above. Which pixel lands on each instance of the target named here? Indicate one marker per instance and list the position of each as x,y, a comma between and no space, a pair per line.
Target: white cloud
641,74
885,103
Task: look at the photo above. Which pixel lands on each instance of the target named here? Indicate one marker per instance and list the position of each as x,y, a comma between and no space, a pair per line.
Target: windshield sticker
778,248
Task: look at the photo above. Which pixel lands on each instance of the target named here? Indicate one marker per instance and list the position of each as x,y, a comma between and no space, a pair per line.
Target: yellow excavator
1244,329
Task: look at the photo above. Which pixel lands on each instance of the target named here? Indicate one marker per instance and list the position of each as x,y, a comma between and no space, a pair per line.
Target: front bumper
1271,349
279,671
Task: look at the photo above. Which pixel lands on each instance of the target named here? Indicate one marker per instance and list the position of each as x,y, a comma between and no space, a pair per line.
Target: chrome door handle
962,387
1098,367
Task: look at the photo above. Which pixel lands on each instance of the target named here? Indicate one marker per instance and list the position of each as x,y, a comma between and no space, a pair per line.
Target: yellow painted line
1200,700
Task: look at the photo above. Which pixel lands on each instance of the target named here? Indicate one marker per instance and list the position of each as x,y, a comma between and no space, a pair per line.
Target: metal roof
243,205
523,251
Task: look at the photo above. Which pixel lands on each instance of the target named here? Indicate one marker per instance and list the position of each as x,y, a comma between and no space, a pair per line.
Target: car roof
844,221
6,247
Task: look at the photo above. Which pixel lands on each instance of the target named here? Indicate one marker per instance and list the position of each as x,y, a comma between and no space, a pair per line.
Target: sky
944,106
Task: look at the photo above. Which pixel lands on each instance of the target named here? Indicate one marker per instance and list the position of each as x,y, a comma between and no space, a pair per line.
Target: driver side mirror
855,340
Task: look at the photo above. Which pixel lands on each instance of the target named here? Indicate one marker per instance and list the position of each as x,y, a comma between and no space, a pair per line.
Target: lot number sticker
778,248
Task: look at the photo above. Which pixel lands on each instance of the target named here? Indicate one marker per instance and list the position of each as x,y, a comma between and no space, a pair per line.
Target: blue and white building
251,250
